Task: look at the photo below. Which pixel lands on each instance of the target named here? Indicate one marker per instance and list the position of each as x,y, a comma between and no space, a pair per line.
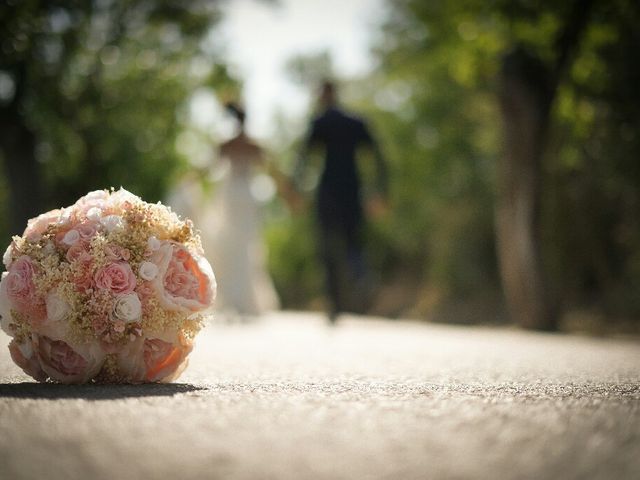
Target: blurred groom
340,134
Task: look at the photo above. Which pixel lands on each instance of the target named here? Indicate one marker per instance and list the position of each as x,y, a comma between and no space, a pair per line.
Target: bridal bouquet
111,289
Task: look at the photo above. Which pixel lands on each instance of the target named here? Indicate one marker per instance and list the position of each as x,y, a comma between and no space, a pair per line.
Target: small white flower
6,258
121,196
71,237
65,217
153,243
57,308
148,271
94,214
96,195
112,222
128,308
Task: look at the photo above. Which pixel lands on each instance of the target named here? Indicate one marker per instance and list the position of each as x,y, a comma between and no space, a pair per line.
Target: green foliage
434,107
433,103
101,86
592,214
293,260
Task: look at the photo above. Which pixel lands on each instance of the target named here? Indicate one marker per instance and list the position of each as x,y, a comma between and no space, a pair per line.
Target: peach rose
159,359
183,283
117,277
163,359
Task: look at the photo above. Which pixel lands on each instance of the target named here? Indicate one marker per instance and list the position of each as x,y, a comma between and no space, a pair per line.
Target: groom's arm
382,175
310,141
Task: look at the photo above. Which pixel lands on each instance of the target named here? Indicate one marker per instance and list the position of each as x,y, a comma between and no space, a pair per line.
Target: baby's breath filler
109,290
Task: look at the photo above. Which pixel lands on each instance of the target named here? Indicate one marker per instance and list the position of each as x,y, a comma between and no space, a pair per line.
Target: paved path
289,397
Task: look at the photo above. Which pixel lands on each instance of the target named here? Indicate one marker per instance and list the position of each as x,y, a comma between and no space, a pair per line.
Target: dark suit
339,205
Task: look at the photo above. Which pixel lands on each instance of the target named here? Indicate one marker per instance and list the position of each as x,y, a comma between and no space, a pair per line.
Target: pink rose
100,324
145,292
117,277
95,199
24,356
20,286
59,360
37,226
87,230
116,252
67,364
183,282
21,291
78,252
83,273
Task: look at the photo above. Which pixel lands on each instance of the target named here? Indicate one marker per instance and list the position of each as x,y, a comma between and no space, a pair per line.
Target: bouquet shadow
54,391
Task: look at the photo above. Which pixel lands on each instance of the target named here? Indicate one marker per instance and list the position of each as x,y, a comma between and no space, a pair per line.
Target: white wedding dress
231,230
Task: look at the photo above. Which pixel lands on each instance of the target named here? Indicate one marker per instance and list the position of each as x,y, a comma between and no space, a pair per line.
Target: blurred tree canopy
435,101
92,93
437,87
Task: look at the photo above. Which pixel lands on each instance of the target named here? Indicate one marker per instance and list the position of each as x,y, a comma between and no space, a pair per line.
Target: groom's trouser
340,245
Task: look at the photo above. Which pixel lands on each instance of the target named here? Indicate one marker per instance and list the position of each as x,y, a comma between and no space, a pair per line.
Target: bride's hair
236,110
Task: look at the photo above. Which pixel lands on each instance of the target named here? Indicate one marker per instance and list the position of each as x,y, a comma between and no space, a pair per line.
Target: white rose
112,222
94,214
153,243
71,237
148,271
57,308
128,308
6,258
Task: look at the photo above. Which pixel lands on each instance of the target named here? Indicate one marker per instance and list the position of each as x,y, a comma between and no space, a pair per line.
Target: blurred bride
231,228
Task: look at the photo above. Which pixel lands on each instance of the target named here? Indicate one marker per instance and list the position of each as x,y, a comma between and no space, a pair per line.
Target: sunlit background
510,131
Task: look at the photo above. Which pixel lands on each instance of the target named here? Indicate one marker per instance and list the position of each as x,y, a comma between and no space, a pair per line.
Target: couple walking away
231,227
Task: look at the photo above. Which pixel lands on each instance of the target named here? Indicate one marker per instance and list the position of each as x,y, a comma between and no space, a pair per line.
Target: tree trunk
17,147
525,99
527,91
